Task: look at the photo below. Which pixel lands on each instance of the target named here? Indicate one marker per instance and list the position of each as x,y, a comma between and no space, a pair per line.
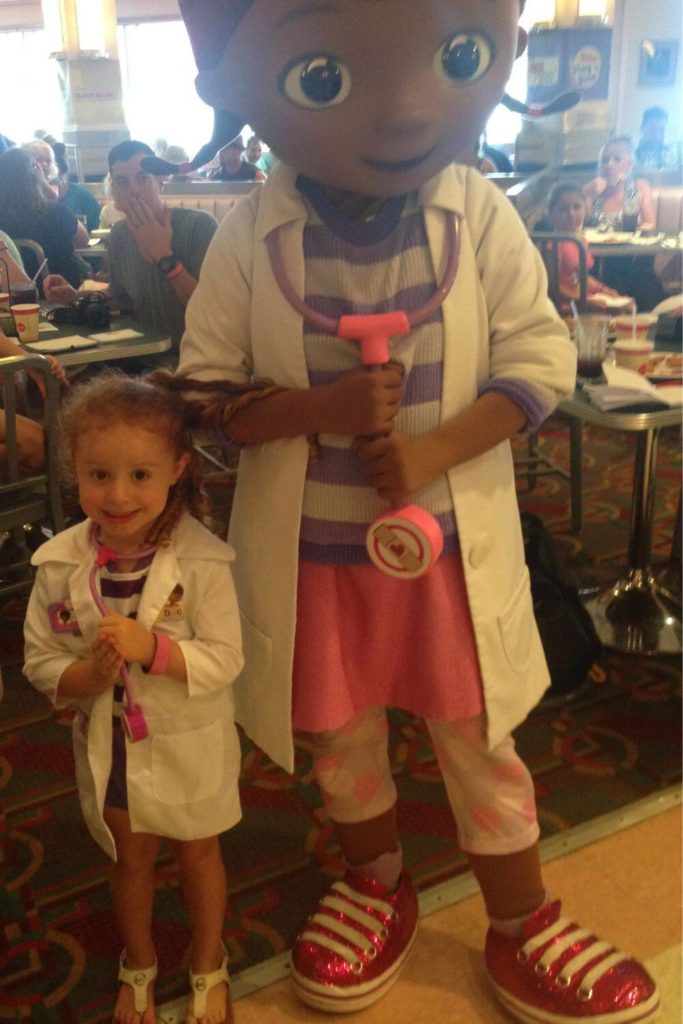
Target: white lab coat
181,779
498,322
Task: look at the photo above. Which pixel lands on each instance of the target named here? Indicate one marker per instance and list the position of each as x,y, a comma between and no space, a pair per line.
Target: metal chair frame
536,463
27,498
38,252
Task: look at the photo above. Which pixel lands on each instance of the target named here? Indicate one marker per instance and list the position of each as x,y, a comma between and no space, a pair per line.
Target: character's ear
522,40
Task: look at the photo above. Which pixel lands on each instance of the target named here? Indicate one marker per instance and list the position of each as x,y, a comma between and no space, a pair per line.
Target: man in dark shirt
233,167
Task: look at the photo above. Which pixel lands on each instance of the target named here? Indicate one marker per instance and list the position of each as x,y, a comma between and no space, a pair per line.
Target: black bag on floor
570,642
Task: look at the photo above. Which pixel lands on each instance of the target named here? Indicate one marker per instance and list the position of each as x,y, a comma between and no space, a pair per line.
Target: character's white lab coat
498,323
181,779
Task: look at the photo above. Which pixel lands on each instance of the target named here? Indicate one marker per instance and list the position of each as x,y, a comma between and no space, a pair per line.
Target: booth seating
216,197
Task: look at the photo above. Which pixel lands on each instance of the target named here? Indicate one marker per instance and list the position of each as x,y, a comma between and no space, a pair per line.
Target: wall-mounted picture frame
658,62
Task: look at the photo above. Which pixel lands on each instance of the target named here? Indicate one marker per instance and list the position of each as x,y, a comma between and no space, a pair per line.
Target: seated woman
30,209
11,264
566,212
618,201
77,198
30,434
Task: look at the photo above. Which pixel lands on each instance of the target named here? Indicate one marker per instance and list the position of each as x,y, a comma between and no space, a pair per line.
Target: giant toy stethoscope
132,716
402,542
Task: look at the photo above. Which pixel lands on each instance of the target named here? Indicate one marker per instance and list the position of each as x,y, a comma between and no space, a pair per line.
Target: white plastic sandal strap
201,985
137,980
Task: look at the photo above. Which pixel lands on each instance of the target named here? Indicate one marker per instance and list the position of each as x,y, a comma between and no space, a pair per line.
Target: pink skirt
364,640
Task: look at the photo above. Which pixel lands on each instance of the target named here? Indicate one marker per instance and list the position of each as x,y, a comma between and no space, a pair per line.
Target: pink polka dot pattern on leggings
367,786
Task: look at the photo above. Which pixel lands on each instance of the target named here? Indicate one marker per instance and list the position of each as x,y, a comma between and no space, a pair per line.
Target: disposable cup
642,322
26,317
632,354
590,338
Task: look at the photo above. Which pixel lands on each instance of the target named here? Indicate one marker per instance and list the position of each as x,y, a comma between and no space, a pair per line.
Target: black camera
90,311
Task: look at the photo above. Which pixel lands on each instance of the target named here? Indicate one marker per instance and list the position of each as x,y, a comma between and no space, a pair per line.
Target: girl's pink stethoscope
405,542
132,716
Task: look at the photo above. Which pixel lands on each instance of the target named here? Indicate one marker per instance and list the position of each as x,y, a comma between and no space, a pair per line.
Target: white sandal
138,981
201,984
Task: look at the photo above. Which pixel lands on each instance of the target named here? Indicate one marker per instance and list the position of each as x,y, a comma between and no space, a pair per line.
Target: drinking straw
633,322
578,329
35,276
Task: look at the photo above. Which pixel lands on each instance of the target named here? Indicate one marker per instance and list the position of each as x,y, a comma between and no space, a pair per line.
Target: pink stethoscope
132,716
405,542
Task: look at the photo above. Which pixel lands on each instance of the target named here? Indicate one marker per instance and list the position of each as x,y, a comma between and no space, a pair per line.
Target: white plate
664,366
126,334
61,344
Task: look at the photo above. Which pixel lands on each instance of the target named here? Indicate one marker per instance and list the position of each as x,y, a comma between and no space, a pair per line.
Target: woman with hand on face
617,201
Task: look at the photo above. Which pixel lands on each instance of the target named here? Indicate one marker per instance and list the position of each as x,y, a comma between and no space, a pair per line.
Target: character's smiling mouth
396,166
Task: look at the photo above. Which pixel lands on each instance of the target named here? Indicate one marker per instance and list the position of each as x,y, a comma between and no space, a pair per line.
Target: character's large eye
316,82
465,57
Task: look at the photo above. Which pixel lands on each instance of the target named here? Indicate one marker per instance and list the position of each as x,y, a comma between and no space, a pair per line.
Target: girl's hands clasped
127,638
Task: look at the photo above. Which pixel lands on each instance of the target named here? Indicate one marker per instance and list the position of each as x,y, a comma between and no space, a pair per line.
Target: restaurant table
623,243
151,343
636,614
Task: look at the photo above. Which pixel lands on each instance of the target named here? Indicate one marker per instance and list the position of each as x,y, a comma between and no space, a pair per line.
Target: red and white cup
26,318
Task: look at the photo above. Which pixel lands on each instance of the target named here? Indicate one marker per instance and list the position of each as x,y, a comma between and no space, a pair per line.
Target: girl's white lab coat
497,322
182,779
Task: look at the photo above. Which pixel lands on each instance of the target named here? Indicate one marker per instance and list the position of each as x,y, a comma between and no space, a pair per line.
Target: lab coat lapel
164,574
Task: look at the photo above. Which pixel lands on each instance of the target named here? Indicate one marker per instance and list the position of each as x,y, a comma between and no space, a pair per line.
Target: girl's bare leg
132,887
204,889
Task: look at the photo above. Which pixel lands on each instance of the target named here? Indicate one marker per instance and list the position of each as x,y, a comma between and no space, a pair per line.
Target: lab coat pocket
187,766
515,624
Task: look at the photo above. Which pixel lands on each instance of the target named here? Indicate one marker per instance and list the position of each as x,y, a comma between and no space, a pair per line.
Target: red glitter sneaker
558,973
354,946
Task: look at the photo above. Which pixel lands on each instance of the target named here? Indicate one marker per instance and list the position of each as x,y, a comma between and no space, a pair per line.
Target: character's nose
406,110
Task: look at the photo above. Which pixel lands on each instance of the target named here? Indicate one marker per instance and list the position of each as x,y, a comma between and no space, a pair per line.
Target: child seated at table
566,214
30,433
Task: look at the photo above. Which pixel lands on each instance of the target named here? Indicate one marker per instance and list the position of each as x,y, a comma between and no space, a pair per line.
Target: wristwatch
168,263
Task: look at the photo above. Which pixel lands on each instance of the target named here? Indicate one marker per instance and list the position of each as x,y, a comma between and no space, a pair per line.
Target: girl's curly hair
112,397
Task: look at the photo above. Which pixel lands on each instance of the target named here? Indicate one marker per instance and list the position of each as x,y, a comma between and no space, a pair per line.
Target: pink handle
372,332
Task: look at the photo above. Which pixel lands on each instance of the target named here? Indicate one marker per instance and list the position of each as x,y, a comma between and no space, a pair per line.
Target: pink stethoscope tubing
132,716
403,543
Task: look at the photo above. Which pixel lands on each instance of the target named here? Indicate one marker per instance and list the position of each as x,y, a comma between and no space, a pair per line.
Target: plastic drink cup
26,317
632,353
590,337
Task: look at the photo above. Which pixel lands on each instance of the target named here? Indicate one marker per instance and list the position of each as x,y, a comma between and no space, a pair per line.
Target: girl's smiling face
368,96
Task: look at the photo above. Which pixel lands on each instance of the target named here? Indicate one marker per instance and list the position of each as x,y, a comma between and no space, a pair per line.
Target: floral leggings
491,792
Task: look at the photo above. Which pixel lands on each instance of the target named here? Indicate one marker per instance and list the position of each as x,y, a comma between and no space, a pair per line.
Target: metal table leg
637,615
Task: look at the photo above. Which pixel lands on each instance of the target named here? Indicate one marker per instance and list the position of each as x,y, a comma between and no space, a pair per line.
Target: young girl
566,212
141,585
365,105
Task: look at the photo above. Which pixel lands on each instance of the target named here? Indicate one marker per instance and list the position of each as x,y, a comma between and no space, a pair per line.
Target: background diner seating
26,498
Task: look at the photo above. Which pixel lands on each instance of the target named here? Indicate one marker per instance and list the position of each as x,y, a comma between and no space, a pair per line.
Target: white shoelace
349,909
596,948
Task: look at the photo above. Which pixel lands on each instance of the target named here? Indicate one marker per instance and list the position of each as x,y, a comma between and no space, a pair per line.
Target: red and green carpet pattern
617,742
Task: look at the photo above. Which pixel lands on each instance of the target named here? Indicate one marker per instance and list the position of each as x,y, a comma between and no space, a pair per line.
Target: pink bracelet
162,653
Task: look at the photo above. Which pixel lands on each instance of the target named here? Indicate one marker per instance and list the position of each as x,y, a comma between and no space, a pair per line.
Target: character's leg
132,887
545,969
204,890
355,944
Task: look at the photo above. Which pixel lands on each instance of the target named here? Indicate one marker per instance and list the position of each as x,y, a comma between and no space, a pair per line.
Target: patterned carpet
617,741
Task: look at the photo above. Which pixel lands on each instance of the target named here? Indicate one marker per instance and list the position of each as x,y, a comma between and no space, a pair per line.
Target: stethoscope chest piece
404,543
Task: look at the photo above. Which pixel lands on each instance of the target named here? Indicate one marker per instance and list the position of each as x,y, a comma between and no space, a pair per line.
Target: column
82,36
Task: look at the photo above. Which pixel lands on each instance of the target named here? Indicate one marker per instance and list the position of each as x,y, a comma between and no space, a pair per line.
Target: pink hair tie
162,654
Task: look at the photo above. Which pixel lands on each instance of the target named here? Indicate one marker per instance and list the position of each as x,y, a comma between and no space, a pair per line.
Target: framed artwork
658,62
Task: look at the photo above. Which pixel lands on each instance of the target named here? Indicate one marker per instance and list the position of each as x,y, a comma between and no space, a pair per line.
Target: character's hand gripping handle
403,542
